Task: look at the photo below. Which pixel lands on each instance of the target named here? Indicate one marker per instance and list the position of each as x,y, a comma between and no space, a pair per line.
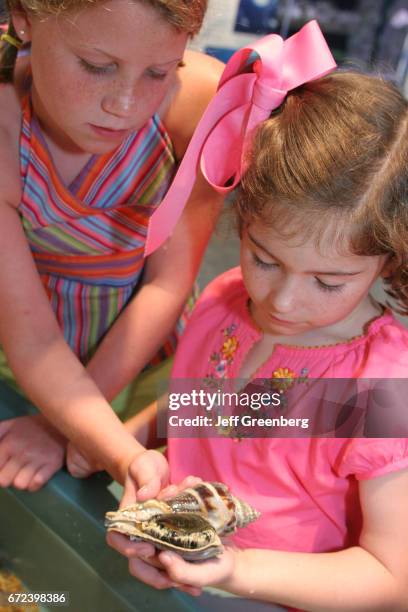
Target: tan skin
71,398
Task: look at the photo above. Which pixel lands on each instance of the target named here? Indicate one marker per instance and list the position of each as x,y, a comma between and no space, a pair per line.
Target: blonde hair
334,157
185,15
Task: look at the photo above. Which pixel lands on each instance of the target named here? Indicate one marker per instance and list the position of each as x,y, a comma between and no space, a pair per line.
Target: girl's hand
167,569
212,572
146,475
144,562
173,489
31,451
79,464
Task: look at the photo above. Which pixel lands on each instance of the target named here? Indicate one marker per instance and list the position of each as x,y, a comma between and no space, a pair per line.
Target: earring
21,32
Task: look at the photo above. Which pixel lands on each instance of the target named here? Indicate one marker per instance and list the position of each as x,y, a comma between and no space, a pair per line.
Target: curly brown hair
334,157
185,15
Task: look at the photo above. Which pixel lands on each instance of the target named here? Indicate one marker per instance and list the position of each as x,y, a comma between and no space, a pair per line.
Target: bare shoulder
197,84
10,126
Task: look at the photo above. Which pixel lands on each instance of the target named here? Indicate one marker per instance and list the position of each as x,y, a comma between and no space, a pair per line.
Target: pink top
306,489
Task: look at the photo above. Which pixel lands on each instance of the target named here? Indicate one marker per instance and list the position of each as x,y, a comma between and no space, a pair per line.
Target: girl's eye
330,288
94,68
156,74
263,264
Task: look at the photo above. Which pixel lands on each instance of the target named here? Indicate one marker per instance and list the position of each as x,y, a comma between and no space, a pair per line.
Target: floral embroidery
229,347
283,379
285,373
220,362
222,359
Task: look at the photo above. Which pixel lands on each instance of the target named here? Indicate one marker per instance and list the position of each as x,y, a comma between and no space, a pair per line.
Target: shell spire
244,512
223,511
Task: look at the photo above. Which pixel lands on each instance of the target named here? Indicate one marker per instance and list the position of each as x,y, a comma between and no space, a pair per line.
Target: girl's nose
120,103
282,298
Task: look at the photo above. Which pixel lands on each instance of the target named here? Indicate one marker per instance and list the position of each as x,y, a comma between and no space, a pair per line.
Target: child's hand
212,572
31,451
146,475
79,464
145,565
167,569
173,489
144,561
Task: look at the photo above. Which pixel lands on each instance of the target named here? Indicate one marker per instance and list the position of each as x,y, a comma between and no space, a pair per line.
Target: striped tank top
87,239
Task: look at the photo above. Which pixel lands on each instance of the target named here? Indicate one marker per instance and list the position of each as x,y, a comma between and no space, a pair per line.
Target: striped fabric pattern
87,239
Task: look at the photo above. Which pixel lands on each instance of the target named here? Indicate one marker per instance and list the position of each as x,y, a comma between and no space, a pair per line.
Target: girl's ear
22,24
389,267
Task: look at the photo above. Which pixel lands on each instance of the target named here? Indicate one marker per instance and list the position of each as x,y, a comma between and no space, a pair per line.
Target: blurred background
362,31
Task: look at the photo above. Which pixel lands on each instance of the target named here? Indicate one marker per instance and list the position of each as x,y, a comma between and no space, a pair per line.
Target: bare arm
47,370
371,576
45,367
170,272
151,316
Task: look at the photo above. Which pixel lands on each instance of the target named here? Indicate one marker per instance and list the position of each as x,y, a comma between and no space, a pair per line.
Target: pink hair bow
246,95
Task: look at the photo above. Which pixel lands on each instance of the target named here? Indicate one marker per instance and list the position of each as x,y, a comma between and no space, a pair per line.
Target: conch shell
189,523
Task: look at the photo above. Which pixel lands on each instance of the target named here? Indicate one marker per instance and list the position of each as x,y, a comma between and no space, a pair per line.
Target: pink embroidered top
305,488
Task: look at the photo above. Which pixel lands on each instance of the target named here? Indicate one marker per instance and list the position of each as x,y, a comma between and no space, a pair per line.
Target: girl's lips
109,133
281,321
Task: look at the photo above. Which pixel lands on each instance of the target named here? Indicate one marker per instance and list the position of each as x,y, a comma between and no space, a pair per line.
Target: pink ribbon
246,95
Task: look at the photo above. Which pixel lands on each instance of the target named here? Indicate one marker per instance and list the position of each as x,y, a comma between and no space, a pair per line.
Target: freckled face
101,72
297,288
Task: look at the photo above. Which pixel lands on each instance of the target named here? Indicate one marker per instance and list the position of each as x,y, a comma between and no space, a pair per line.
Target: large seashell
189,523
188,534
